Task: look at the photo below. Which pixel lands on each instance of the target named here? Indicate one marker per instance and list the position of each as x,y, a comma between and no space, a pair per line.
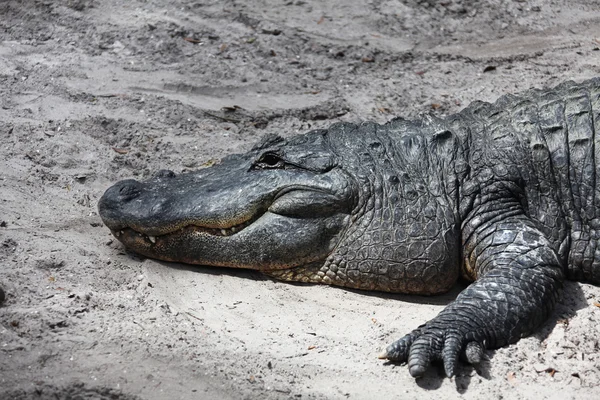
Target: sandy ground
96,91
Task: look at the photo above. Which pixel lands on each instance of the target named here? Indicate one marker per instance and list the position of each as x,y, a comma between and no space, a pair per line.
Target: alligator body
506,195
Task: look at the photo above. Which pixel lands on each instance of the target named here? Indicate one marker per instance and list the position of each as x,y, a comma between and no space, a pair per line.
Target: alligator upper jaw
292,202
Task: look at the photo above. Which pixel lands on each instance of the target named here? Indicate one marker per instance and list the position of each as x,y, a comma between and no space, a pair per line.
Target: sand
96,91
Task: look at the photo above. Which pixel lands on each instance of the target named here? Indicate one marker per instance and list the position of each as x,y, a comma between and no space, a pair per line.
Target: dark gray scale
593,199
543,198
566,118
582,170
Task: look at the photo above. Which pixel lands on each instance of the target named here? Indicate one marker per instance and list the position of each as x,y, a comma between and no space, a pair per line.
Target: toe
450,354
421,354
473,353
398,351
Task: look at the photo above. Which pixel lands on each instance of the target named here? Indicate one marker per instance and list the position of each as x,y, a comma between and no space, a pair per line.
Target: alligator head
343,206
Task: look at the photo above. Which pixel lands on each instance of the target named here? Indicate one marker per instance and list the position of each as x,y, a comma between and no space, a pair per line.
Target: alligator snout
124,191
131,189
115,198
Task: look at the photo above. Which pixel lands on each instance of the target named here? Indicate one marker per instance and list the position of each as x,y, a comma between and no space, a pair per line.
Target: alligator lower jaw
186,230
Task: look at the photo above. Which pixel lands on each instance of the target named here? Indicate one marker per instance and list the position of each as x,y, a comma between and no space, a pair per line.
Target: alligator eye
270,161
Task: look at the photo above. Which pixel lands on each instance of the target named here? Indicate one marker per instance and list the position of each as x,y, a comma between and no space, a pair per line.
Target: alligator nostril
130,189
164,173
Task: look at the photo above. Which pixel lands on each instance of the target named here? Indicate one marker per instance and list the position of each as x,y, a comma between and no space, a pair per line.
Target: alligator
504,195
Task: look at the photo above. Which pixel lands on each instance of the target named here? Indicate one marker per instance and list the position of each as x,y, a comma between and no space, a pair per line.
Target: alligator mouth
191,229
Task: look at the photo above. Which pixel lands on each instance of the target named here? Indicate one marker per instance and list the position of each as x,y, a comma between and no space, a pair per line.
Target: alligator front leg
518,279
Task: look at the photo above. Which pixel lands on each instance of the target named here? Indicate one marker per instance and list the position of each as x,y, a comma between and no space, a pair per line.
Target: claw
450,366
397,351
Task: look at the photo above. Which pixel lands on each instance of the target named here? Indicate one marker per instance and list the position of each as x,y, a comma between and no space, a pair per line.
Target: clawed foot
427,344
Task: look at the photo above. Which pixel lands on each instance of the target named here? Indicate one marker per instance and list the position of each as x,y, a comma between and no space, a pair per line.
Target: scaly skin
504,194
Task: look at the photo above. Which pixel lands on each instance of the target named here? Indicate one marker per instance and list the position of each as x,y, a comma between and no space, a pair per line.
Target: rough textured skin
504,194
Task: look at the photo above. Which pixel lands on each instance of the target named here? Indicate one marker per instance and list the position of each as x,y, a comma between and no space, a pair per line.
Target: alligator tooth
223,232
117,233
152,239
233,229
121,233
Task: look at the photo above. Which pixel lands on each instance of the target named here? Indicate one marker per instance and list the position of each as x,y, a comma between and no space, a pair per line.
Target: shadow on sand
573,299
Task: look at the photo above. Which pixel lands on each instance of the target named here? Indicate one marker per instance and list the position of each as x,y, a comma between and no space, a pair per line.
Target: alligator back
544,143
